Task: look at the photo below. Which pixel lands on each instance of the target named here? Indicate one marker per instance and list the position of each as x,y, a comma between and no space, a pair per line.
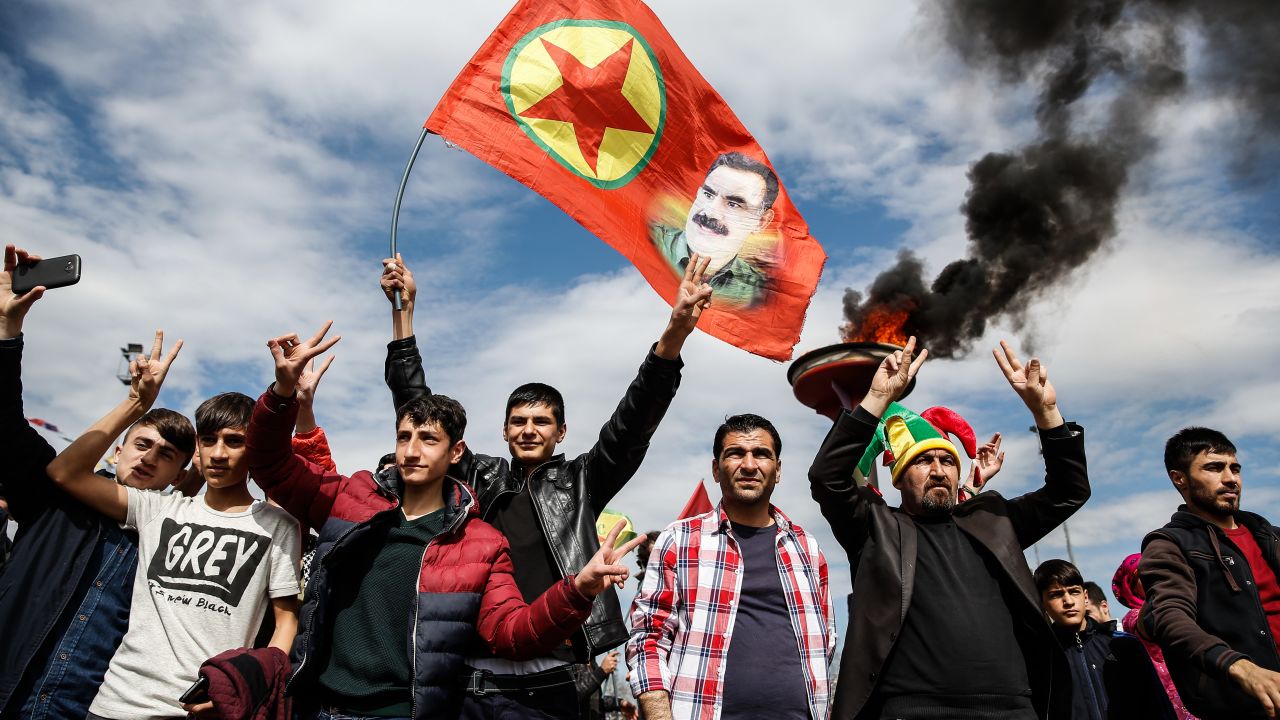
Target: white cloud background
226,171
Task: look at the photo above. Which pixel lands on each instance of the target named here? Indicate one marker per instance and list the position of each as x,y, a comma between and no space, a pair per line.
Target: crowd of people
446,583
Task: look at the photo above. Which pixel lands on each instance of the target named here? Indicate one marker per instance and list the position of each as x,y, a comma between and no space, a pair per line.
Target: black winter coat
881,544
567,495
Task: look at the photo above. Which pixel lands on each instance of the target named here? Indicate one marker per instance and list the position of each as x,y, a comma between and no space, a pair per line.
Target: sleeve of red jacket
314,446
516,631
301,487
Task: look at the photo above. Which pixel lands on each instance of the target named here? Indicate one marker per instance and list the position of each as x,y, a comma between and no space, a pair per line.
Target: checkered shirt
683,615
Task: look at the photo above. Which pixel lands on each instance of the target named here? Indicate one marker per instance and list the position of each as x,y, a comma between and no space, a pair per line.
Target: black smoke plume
1035,214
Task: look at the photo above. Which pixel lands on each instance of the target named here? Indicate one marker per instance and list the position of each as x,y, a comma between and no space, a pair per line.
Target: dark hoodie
1111,675
1204,611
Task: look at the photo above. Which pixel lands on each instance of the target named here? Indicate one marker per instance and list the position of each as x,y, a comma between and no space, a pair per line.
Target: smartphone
197,693
50,272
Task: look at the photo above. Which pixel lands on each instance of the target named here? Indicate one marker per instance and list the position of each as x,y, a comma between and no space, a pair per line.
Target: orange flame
882,324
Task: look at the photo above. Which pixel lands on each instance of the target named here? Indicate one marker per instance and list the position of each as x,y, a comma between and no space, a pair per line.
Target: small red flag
594,106
698,503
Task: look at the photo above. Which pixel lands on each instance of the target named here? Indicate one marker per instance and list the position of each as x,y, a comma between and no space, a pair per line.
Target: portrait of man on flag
729,220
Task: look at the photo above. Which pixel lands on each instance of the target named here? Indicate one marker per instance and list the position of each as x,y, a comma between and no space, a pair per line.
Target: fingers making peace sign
147,372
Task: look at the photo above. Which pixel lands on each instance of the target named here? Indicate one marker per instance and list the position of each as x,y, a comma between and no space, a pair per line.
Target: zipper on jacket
1088,678
413,637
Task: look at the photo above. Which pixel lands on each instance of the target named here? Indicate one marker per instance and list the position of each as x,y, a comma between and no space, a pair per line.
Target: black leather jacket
568,495
881,544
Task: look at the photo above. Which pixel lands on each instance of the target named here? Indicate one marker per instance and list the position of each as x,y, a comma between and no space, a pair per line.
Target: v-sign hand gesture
692,297
892,377
1031,382
603,569
147,372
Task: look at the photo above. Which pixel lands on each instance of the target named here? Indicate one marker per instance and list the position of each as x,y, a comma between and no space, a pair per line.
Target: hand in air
397,278
603,570
1031,382
293,355
147,372
13,308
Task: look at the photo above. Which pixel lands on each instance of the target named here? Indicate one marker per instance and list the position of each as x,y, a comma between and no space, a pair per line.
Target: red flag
593,105
698,503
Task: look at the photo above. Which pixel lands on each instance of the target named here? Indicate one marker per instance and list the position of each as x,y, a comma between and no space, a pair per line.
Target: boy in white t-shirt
208,566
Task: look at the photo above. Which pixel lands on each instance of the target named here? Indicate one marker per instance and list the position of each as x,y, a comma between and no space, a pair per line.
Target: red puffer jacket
465,587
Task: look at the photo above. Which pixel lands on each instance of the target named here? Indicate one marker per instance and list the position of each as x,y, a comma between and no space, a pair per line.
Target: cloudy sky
226,171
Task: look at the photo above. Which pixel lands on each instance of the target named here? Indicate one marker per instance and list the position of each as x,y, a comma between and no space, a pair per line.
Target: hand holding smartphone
197,693
50,273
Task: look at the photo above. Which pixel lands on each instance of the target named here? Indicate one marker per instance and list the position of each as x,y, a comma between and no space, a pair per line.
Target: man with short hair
910,655
1111,674
1213,601
734,201
66,592
406,583
545,504
211,565
1098,608
734,618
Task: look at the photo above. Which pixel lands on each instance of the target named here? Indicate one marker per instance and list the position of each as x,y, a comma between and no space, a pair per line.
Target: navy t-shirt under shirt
762,675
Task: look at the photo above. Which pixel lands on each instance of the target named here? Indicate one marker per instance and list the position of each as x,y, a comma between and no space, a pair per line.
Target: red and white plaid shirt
683,615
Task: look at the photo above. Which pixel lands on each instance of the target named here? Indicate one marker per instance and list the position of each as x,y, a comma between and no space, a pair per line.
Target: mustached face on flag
593,105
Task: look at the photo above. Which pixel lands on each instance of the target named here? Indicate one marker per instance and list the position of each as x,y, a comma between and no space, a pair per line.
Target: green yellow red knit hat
902,435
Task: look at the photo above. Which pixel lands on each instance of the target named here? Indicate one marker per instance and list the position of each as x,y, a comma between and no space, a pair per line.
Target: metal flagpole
395,213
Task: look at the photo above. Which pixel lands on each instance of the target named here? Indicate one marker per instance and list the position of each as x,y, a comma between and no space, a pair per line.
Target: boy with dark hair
77,563
213,563
544,503
1111,674
405,582
1213,598
1098,609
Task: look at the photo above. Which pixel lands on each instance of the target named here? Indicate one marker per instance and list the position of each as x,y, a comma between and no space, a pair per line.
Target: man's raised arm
23,484
1066,485
831,480
307,491
624,439
404,373
73,469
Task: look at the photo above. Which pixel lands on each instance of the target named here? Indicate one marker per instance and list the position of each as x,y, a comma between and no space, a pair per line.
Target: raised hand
989,461
603,569
1031,382
692,297
396,278
893,376
292,355
13,308
147,372
310,380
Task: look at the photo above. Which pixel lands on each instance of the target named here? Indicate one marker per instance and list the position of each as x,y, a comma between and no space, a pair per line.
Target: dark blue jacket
45,578
1111,675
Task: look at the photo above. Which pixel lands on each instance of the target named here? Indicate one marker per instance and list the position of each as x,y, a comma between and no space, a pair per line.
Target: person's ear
1178,478
715,470
455,452
766,219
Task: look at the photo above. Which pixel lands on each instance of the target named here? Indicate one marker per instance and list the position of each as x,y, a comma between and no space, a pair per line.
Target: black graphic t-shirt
205,580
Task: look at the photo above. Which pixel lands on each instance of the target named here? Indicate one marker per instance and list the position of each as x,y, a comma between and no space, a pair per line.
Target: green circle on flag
590,94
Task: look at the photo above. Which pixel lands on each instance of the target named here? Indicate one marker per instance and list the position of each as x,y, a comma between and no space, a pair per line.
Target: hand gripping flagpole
395,213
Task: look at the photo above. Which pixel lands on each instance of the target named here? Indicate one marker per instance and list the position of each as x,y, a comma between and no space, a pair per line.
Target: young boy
66,592
210,565
402,585
1111,674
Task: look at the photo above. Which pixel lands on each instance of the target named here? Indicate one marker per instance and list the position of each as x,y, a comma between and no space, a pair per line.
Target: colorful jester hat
902,435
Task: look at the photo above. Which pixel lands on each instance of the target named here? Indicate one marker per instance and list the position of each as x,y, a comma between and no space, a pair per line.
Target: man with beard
733,619
945,617
1213,602
734,201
